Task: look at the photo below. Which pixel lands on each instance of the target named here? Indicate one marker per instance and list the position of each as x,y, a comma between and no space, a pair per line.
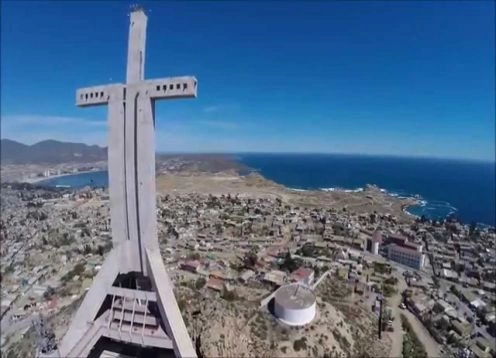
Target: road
319,280
397,335
432,348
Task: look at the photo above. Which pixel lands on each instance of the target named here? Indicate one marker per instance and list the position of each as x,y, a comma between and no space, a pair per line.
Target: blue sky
403,78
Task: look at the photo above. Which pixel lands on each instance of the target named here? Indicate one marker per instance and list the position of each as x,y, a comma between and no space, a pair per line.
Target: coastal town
365,270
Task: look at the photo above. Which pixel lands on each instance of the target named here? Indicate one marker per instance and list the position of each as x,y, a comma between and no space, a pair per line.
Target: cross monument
131,301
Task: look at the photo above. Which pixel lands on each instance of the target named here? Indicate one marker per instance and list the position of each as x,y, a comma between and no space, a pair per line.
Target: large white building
295,304
406,256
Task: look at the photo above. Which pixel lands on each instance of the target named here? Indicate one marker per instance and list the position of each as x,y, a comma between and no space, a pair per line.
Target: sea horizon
464,189
400,156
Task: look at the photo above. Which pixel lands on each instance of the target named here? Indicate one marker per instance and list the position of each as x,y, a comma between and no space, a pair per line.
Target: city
239,247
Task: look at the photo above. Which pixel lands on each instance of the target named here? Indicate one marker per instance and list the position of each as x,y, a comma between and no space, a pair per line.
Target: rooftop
295,296
301,273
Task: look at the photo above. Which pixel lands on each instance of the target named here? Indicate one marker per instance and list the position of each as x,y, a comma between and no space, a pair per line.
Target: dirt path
431,346
397,335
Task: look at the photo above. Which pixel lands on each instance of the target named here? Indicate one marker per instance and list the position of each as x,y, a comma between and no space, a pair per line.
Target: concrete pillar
136,47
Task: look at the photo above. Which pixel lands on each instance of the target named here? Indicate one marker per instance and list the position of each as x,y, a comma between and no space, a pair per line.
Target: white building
406,256
295,304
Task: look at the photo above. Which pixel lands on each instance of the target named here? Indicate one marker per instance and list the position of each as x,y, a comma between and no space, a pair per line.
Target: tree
388,290
391,280
229,295
50,291
250,259
289,264
200,282
194,256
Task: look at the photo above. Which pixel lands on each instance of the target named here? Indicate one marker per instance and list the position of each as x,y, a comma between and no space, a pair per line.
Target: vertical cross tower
131,302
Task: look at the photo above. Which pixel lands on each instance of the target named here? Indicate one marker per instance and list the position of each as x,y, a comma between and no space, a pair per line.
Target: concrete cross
131,147
133,276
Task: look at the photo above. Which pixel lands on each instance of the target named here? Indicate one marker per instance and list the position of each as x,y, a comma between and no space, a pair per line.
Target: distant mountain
49,151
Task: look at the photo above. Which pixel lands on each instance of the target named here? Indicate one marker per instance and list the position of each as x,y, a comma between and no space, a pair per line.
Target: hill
50,151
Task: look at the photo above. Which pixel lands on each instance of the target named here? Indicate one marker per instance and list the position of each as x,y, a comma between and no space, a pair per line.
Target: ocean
465,189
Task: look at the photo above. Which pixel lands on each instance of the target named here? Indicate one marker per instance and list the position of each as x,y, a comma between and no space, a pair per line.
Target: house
38,290
360,287
6,302
191,266
219,274
484,344
342,273
273,251
469,297
442,306
420,305
462,328
215,283
478,304
246,275
414,283
303,275
490,317
450,275
18,314
275,277
489,286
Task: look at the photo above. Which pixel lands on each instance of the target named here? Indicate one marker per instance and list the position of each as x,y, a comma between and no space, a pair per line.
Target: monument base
127,309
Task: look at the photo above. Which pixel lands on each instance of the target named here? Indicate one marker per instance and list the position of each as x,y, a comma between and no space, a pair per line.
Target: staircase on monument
132,318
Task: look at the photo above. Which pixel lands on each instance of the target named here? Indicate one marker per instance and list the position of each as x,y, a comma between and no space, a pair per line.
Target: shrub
388,290
200,282
412,346
48,293
300,344
229,295
391,280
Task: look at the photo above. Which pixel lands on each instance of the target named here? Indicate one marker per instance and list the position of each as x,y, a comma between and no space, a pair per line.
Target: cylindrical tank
375,247
295,304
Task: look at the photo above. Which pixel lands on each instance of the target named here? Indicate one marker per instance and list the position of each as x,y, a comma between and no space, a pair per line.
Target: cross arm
172,87
93,96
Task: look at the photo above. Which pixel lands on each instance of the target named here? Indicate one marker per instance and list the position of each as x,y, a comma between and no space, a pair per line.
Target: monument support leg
91,304
132,256
116,167
167,305
147,200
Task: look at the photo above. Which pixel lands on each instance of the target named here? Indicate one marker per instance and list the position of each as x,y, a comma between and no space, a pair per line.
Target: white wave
357,190
405,210
328,189
296,189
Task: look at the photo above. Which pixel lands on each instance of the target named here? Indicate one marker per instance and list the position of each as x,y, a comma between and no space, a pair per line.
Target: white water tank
295,304
375,247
